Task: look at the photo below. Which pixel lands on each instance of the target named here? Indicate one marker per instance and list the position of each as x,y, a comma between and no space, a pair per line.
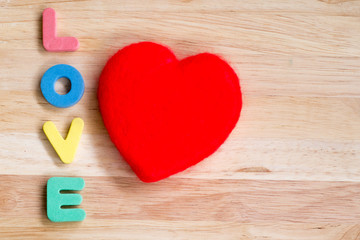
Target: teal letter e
55,199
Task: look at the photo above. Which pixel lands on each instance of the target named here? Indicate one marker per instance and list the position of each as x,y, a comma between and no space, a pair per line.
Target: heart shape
165,115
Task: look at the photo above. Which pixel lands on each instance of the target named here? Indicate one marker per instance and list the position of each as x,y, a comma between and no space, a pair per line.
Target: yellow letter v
66,149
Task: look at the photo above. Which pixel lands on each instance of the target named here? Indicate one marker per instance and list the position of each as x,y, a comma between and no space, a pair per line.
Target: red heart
165,115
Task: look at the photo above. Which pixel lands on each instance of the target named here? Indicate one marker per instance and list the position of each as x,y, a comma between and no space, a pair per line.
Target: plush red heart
165,115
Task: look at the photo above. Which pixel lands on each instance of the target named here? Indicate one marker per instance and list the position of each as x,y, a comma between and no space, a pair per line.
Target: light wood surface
290,169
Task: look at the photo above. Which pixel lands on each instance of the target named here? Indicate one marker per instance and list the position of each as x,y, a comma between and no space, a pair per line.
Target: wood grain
289,170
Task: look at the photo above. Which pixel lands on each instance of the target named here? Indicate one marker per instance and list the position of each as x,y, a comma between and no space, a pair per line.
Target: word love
58,201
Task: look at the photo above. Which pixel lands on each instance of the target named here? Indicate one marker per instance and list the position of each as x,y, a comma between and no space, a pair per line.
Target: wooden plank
130,229
240,201
261,117
331,7
273,159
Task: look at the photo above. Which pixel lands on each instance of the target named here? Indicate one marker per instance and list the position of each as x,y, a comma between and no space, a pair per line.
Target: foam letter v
65,148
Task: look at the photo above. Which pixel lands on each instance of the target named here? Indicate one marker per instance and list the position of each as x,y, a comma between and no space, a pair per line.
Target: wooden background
290,169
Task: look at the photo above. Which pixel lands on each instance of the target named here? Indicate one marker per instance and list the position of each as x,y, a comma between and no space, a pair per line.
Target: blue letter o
56,72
